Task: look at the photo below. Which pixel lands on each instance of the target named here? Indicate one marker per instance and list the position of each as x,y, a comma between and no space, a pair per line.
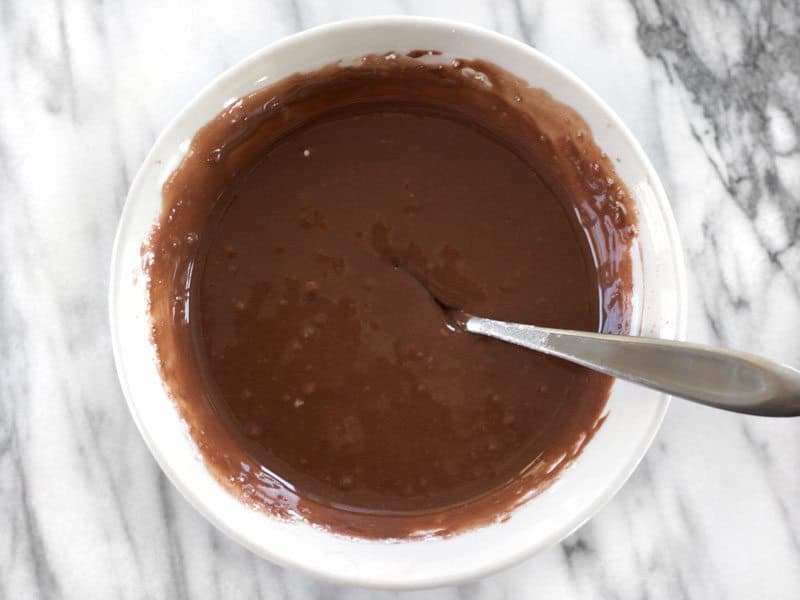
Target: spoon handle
716,377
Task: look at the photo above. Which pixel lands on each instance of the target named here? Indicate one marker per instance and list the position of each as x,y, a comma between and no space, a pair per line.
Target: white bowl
634,414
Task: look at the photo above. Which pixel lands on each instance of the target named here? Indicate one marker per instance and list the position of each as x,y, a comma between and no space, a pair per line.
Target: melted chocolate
292,282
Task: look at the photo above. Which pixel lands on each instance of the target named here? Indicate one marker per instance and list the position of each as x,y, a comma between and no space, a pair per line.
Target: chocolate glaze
294,277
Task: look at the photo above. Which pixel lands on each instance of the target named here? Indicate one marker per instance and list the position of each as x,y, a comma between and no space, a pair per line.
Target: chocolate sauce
307,245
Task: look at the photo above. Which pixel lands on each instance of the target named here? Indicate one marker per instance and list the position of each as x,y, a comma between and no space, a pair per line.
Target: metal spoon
716,377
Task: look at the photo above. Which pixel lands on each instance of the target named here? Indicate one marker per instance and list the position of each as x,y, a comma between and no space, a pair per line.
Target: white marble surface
712,90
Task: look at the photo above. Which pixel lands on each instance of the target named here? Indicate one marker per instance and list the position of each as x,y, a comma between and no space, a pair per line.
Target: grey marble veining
711,89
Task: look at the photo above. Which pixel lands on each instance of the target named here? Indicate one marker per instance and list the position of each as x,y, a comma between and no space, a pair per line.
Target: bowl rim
369,580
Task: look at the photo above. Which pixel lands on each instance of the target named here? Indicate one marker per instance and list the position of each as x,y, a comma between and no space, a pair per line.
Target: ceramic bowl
634,414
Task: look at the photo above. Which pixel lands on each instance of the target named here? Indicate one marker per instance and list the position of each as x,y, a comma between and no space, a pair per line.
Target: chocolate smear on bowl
306,244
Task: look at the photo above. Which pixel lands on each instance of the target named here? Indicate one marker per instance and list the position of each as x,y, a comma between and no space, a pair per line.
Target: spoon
726,379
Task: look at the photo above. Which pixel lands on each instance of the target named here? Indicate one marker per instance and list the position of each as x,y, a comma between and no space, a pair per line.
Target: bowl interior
634,414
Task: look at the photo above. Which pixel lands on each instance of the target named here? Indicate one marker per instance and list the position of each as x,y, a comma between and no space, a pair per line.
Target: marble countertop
710,88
